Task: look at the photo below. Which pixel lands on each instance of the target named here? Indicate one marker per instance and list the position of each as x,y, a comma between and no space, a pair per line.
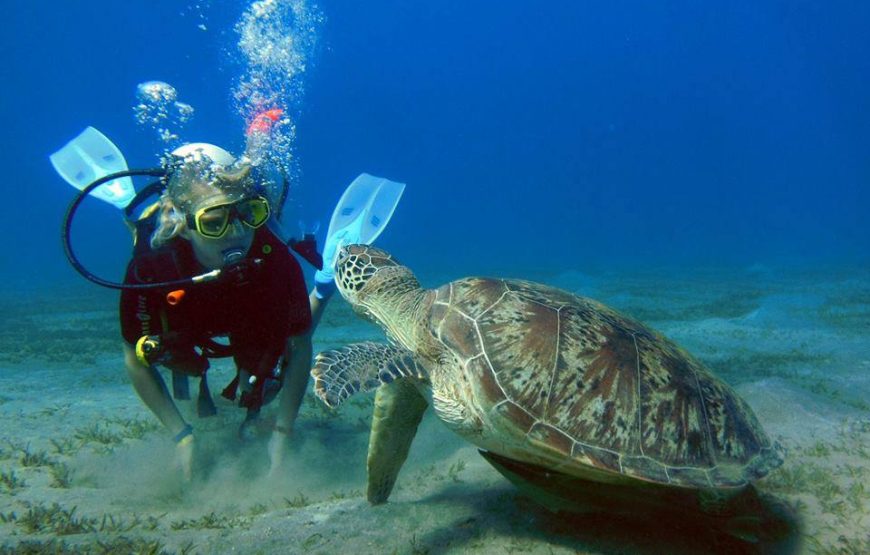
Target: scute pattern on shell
586,383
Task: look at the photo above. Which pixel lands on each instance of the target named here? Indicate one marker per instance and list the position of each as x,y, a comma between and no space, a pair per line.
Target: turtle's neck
399,307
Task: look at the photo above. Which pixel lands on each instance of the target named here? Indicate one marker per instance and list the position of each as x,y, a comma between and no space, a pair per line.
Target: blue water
567,135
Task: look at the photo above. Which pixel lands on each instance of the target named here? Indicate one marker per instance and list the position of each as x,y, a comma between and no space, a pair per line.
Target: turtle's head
369,278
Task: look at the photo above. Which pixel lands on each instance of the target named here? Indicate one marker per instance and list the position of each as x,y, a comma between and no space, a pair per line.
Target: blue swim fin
88,157
362,213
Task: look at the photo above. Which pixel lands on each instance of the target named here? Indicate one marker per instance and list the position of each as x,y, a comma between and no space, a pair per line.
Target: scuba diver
212,217
206,265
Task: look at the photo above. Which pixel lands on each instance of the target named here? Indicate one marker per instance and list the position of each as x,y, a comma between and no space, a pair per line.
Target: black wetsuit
257,310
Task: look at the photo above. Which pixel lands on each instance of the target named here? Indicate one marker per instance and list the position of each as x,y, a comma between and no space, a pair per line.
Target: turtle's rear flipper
758,518
338,374
553,490
743,523
399,407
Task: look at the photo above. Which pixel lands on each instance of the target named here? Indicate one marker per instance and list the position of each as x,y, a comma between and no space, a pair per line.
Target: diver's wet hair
193,180
170,224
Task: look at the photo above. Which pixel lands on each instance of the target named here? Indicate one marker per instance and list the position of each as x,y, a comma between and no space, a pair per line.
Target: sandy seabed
85,468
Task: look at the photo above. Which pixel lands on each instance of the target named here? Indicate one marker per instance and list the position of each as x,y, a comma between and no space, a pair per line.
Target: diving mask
214,221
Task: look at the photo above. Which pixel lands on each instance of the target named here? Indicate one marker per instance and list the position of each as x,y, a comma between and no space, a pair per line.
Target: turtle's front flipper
338,374
399,407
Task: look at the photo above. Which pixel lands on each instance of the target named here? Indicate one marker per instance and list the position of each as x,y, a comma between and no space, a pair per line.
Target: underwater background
579,134
701,166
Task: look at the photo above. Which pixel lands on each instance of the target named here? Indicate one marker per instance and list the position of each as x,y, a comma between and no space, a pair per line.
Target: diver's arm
324,289
318,305
151,388
295,377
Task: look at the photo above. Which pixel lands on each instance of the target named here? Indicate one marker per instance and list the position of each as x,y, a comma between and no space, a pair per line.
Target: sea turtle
560,392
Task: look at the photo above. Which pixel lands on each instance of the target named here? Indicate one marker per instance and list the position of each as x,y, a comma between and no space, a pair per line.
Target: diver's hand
330,251
184,456
324,280
324,284
277,448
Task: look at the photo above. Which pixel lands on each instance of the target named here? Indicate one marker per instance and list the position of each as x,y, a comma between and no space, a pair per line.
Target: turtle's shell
595,389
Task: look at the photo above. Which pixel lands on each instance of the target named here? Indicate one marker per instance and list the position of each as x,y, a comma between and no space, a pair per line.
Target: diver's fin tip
365,208
89,156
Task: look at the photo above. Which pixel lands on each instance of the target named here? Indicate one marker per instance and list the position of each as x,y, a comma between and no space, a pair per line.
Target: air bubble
277,39
159,110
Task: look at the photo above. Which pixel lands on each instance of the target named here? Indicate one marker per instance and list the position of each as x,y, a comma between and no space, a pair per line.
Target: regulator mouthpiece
231,256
